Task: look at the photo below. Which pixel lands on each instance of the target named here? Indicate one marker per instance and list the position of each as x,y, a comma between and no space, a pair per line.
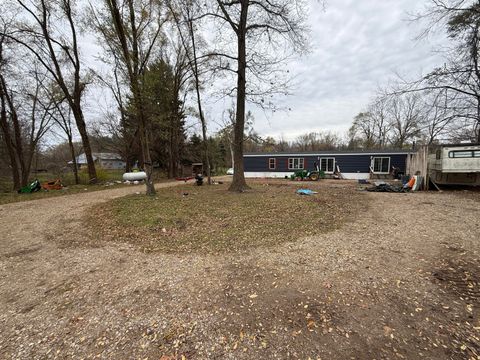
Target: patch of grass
209,218
67,178
105,180
10,197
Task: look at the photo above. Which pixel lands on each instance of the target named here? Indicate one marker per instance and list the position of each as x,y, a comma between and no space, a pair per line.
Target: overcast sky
357,45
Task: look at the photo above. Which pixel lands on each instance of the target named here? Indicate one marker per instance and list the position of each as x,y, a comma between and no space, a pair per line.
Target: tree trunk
15,170
199,103
149,170
147,160
144,131
26,170
8,140
74,159
11,153
176,146
205,149
232,157
82,129
239,183
17,140
128,164
135,70
171,145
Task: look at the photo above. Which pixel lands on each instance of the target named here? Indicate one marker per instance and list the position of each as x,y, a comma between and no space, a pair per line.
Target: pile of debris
35,186
384,187
413,183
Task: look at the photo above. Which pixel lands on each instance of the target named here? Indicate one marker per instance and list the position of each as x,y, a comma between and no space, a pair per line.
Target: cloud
356,46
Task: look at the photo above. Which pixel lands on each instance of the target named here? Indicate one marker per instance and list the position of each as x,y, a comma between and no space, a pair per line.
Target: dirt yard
399,281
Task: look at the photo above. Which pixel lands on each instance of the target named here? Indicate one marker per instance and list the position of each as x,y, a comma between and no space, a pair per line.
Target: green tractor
305,175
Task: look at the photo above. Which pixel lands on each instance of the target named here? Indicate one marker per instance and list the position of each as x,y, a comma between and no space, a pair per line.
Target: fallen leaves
172,222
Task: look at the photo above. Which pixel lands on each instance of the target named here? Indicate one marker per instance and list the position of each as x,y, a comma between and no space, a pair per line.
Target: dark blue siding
348,163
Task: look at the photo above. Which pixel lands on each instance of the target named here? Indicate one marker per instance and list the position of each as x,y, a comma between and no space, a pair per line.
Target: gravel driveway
400,281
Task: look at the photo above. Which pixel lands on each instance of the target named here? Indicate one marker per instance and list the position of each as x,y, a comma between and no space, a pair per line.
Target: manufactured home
457,164
350,164
110,161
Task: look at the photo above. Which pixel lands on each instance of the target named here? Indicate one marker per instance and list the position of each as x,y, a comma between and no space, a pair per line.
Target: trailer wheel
314,177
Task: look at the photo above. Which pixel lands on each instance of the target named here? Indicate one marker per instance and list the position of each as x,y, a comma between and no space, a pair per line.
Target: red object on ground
184,178
52,185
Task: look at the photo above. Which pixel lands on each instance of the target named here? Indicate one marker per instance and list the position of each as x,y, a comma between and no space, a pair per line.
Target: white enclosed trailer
455,165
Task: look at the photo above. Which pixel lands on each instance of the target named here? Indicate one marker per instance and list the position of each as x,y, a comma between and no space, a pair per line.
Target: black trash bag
386,188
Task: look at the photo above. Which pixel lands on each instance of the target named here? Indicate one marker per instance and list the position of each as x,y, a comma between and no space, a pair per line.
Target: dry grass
206,219
10,197
107,179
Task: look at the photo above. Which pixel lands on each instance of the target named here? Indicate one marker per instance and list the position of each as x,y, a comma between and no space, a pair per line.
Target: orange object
411,182
52,185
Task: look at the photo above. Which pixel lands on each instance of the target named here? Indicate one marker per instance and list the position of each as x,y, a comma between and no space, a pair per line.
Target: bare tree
62,117
227,131
133,29
405,118
316,141
371,128
181,77
439,115
49,32
184,14
259,28
378,111
362,131
394,119
7,119
25,113
461,72
117,123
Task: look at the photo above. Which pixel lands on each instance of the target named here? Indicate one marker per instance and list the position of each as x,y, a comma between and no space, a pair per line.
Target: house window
327,165
464,154
272,163
381,165
295,163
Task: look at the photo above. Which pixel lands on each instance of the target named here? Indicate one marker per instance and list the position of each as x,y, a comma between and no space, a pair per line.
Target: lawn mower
31,188
305,175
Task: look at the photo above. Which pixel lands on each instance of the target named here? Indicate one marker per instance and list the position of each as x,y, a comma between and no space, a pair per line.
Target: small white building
109,161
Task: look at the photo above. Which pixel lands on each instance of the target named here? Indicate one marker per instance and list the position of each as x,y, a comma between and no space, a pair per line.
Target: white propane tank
133,176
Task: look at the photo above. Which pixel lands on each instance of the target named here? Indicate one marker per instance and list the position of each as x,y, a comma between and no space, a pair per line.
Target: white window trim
274,163
381,157
300,161
326,158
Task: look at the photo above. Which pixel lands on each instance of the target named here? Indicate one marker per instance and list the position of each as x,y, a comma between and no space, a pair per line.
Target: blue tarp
306,192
